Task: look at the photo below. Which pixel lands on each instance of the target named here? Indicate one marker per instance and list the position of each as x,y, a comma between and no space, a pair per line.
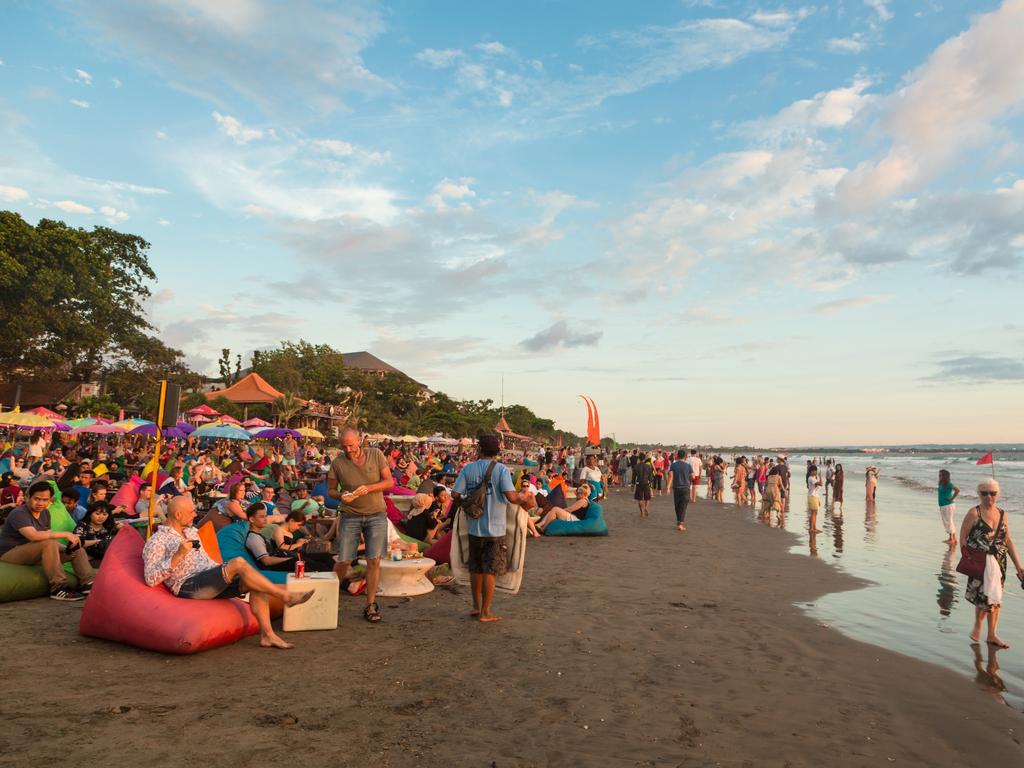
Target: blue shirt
492,522
681,473
946,495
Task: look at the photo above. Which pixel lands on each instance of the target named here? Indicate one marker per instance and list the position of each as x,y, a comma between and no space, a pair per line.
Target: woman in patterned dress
985,528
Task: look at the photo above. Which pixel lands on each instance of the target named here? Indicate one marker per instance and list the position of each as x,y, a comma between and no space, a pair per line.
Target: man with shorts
695,467
488,553
358,478
175,557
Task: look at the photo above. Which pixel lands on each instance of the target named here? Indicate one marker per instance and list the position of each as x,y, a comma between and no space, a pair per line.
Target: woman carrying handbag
986,542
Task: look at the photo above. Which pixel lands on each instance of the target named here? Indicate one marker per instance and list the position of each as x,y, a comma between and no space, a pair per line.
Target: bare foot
490,617
273,641
680,527
975,636
297,598
475,612
991,641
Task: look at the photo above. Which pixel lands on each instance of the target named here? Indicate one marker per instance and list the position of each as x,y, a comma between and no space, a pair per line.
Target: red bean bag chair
441,550
123,609
400,490
393,514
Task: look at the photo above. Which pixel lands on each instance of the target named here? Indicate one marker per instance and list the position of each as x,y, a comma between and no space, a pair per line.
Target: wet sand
645,648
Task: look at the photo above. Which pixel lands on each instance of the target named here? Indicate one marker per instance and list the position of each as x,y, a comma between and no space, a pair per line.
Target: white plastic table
404,578
321,610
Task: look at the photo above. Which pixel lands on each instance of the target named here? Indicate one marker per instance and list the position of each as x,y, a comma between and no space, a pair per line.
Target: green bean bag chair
231,539
592,525
24,582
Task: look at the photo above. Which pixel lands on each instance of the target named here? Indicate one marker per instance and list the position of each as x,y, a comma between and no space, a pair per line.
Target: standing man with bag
358,478
485,519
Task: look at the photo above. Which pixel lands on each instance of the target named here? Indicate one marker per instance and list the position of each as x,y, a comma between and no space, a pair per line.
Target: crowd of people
326,507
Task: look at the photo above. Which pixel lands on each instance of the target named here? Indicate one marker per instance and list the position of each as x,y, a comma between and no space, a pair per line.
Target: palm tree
288,406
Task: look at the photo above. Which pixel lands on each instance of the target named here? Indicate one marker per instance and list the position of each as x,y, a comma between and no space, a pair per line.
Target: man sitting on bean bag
174,556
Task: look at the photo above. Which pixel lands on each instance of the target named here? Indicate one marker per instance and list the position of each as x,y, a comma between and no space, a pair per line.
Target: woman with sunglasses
985,528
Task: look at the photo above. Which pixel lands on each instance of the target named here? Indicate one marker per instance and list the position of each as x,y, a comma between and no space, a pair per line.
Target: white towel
992,581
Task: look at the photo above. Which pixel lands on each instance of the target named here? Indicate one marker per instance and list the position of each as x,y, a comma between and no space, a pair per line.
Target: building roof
35,393
365,361
250,389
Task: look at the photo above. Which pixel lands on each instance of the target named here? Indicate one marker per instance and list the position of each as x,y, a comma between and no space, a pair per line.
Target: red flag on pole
986,459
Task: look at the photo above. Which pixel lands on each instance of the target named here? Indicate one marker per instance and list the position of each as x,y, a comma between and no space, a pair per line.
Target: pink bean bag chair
400,490
123,609
441,550
128,494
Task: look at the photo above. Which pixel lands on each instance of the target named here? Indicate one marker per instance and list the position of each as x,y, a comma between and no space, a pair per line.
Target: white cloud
492,49
83,76
448,189
80,103
344,149
881,7
949,105
116,82
504,97
853,44
113,214
826,110
70,206
838,305
161,135
232,127
302,57
439,59
12,194
163,222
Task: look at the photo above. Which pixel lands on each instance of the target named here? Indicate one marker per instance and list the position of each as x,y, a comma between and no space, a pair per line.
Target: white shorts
946,515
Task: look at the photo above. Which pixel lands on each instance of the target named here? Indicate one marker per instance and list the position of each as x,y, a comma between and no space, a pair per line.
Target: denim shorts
373,528
209,585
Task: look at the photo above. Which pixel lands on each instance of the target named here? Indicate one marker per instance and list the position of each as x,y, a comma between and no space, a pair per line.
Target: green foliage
100,405
70,298
287,407
314,371
223,405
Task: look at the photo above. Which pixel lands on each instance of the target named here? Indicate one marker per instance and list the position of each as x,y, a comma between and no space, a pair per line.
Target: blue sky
726,222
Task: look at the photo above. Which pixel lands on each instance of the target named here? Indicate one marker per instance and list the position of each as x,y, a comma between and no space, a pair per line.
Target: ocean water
916,604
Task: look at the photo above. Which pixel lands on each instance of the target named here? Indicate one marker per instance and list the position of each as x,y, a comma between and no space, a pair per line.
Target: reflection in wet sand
870,522
946,596
987,672
836,520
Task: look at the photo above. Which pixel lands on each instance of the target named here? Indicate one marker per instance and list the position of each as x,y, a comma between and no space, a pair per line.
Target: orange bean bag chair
123,609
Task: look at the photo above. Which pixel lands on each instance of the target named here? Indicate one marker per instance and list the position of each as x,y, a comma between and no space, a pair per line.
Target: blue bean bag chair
231,540
122,608
592,525
320,489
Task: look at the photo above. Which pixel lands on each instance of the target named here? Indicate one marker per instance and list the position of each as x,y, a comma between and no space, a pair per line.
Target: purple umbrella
150,429
185,427
273,433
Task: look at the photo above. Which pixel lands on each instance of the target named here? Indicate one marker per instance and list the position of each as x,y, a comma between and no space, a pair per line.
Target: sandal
372,613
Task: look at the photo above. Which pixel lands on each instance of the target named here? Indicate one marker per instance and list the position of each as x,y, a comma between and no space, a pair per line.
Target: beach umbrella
200,419
310,432
129,424
409,439
202,410
76,423
273,433
99,429
45,412
256,422
185,427
150,429
19,420
222,431
466,441
225,419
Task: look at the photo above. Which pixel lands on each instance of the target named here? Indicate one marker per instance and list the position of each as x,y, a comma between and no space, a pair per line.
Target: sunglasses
988,493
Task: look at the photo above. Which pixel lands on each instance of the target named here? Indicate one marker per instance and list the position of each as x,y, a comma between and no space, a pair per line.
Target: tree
133,377
288,406
69,297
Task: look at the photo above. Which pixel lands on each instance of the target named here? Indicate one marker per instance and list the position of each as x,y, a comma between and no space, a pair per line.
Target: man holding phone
358,478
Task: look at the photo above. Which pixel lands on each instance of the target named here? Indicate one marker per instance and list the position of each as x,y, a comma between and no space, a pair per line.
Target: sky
726,222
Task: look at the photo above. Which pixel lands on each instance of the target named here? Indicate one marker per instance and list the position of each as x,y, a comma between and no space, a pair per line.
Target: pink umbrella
255,422
229,419
200,419
45,413
99,429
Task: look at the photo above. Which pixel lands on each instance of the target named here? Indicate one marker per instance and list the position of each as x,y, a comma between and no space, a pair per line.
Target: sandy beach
645,648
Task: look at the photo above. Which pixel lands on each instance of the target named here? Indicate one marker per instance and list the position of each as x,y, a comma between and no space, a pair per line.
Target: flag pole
156,456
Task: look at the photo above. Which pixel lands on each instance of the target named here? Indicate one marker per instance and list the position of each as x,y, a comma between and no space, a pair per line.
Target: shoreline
646,647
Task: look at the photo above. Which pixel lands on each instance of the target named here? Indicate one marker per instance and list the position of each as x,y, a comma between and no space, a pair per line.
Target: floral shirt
161,547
